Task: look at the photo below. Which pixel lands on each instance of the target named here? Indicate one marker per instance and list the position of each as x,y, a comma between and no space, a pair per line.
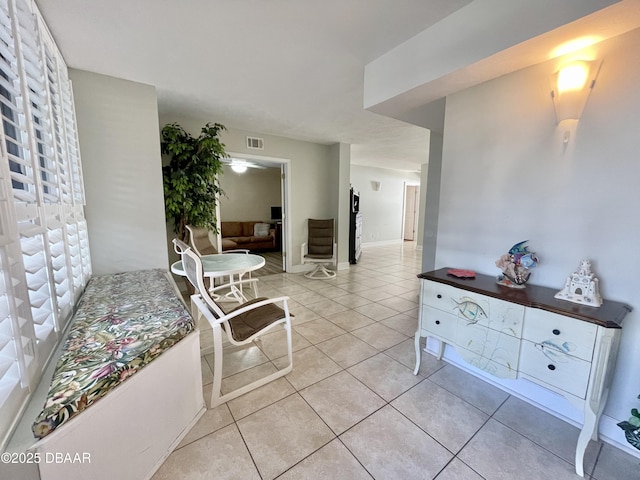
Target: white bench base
130,432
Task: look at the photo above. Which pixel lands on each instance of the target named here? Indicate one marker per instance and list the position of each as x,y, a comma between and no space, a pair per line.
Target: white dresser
526,333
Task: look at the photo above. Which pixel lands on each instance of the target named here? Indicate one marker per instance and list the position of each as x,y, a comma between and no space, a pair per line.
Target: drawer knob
439,296
437,322
556,331
551,366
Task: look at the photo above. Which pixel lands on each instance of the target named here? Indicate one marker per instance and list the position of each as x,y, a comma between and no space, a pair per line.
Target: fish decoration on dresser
556,352
520,248
469,309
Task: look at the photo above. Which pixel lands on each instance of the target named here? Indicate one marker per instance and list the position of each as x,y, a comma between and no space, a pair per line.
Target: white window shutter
44,249
17,338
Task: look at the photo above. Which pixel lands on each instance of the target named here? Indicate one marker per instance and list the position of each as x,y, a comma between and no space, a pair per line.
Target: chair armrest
196,300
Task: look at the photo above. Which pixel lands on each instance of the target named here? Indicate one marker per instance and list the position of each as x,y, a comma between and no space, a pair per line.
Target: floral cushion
123,322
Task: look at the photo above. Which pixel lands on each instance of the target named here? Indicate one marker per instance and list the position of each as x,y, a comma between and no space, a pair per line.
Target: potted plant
190,186
632,428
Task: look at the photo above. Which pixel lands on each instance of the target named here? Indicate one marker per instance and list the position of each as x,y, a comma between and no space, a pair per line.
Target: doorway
259,204
411,210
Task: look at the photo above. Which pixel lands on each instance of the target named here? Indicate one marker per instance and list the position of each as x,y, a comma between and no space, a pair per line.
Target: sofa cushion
261,239
240,240
247,228
231,229
261,230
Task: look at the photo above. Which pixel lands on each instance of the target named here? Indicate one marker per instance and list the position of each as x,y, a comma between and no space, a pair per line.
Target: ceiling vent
255,143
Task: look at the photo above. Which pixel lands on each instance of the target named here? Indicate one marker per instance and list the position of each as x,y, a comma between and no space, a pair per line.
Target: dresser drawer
558,335
489,344
490,312
565,372
438,324
450,299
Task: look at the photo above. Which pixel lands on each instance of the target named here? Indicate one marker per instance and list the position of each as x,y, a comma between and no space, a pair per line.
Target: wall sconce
375,185
571,86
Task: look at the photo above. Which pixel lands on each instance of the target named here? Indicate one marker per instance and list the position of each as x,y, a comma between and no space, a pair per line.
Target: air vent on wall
255,143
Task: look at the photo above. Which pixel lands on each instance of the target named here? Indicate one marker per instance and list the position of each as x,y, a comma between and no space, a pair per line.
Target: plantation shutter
31,222
44,249
17,342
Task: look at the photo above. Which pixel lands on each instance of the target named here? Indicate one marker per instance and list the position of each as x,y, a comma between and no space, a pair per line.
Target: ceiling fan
240,165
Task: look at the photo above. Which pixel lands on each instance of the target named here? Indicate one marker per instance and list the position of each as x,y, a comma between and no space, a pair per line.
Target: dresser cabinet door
489,344
487,365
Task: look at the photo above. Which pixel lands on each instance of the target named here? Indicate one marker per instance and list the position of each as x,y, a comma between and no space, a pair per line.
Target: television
276,213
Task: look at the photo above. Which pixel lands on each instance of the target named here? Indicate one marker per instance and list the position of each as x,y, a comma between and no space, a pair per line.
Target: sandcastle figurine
581,287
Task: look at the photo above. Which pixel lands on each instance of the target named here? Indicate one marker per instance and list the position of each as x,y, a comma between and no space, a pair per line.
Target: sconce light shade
570,88
375,185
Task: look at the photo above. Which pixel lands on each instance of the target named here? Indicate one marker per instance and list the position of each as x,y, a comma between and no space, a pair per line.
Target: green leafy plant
190,186
632,428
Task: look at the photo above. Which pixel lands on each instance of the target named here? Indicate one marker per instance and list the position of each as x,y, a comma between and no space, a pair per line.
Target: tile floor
352,408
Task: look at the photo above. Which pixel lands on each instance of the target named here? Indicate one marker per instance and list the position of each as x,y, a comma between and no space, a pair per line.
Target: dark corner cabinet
355,227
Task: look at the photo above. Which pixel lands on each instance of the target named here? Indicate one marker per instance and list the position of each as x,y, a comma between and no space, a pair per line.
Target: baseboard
382,243
539,397
299,269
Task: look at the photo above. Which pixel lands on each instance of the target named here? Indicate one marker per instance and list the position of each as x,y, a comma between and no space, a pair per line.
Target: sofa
250,235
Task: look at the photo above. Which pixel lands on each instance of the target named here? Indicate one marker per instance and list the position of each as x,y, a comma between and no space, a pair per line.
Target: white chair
201,243
243,324
320,249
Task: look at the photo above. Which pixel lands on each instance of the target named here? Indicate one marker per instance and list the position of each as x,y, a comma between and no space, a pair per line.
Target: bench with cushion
127,386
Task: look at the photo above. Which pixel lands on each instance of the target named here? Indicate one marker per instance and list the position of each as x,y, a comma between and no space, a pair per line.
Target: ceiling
291,68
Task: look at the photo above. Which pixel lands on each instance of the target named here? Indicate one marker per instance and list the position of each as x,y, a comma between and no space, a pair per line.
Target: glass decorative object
516,265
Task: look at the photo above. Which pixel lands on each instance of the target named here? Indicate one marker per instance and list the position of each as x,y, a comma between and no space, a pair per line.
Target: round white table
227,265
224,264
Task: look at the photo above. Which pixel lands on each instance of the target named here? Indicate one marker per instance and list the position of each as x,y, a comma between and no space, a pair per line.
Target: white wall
382,211
507,177
312,174
250,195
341,155
120,148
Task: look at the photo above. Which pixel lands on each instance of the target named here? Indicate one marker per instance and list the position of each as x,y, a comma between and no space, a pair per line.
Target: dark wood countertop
610,314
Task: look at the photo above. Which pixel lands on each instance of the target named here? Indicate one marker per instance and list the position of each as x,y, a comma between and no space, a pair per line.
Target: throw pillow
261,230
